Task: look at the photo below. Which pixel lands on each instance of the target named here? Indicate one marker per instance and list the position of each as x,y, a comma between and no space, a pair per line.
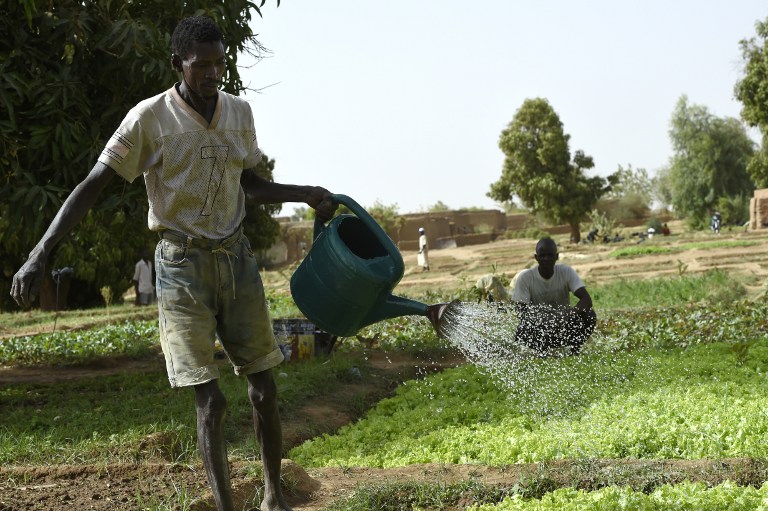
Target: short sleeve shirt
191,168
143,275
532,288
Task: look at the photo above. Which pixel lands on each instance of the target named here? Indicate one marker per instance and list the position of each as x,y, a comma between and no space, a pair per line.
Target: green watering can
346,280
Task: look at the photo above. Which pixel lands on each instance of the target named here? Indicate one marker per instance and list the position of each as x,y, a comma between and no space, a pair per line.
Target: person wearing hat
423,257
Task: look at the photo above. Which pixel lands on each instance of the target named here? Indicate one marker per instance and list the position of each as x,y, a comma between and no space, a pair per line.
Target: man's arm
585,301
521,294
262,191
26,282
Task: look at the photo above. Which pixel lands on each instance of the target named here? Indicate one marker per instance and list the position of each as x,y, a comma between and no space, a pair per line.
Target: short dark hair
546,241
195,29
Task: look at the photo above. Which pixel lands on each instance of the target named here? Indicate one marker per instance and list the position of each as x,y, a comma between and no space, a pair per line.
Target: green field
676,371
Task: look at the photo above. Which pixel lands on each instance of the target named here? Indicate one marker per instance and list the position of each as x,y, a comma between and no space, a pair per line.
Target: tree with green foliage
709,161
438,207
63,92
630,197
629,182
752,91
388,217
734,209
538,168
259,224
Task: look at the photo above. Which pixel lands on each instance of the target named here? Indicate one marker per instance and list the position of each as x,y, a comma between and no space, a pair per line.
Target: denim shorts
208,290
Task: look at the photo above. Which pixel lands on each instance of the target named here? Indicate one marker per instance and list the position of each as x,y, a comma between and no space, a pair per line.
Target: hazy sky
403,102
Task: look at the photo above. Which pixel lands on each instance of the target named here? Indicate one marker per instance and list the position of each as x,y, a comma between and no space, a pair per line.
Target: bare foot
273,504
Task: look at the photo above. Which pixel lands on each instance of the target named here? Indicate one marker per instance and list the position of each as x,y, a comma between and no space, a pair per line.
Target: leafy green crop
693,403
714,287
106,419
683,325
132,339
646,248
686,495
641,250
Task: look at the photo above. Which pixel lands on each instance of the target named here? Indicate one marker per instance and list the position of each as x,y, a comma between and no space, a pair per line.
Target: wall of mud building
444,230
292,245
758,210
450,228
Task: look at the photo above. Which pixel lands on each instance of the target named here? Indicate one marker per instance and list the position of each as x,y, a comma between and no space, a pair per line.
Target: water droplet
534,358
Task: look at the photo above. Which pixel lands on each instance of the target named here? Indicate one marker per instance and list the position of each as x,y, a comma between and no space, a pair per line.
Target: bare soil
136,486
462,266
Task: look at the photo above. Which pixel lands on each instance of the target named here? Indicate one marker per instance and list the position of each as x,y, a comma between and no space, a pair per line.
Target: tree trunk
575,233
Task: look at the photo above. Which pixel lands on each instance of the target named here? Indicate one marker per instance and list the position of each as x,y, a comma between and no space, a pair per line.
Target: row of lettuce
689,308
694,403
694,496
688,382
739,324
686,379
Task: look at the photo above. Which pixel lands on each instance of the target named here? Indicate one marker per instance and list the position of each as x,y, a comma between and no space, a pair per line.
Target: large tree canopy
631,195
538,168
69,71
709,161
752,91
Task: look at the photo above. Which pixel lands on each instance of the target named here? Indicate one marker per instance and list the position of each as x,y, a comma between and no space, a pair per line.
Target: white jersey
191,168
532,288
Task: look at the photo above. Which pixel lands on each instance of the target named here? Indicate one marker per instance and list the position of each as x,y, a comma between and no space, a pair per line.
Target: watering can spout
396,306
436,314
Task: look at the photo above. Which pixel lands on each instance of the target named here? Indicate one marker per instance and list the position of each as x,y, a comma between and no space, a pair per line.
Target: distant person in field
665,230
716,222
196,148
144,279
423,256
541,295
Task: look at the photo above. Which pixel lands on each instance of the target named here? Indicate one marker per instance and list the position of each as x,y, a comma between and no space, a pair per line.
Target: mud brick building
758,210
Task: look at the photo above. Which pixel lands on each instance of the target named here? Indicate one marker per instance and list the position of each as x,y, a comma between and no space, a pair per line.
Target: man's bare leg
211,408
266,422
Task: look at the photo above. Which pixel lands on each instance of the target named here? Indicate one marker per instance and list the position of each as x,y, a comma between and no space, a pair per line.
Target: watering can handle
369,222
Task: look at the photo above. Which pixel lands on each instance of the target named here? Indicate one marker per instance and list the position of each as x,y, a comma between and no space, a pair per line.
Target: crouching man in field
541,295
490,288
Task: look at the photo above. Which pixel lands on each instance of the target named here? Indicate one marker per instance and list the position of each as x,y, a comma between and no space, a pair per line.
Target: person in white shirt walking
143,280
423,256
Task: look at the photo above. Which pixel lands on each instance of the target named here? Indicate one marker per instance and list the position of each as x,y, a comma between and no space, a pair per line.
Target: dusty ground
462,266
133,487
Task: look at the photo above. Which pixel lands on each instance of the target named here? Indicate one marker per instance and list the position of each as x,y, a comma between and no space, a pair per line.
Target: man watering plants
547,322
196,147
